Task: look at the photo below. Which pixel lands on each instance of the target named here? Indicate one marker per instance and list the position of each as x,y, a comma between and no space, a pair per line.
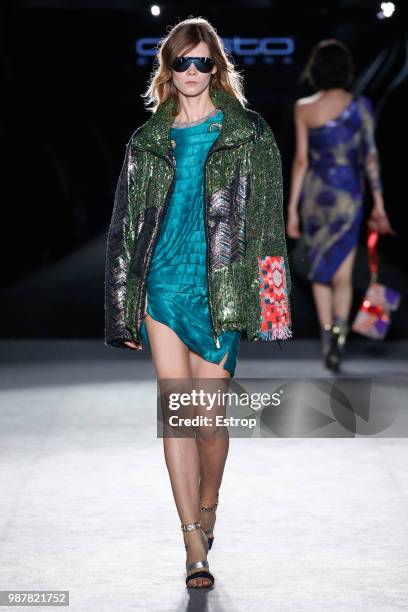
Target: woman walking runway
335,150
196,252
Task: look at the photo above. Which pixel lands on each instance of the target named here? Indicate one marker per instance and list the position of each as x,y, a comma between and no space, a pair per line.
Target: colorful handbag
275,312
373,318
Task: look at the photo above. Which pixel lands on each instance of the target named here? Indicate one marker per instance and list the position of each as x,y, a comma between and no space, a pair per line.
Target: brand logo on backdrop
249,51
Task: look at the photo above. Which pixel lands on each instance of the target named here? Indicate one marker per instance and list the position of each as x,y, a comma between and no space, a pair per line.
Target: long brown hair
184,36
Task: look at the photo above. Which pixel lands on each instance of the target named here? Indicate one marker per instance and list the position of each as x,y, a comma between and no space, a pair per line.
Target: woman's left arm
378,220
270,274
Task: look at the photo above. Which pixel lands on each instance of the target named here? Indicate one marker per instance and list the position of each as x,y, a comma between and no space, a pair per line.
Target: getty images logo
269,50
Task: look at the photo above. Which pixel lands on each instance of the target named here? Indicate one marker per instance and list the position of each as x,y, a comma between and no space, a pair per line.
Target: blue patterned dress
177,282
341,151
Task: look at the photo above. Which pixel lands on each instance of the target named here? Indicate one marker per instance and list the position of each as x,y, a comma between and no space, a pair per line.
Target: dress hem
228,348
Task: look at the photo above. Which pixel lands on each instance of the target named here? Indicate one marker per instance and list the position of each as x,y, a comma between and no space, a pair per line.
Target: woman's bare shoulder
304,105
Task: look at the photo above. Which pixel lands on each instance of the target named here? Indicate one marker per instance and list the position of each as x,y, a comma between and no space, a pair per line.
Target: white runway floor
303,524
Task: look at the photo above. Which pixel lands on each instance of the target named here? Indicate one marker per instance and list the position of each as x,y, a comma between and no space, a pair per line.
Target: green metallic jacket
248,272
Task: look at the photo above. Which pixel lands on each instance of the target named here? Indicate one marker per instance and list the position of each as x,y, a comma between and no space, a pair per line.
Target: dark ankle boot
325,340
339,332
341,329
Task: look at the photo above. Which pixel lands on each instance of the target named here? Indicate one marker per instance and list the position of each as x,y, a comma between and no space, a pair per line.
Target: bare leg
323,297
171,360
342,286
342,296
213,445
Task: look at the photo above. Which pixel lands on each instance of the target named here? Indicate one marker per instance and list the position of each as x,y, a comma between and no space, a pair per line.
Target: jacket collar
154,135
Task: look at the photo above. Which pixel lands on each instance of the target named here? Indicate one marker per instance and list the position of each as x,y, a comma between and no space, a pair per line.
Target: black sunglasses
203,64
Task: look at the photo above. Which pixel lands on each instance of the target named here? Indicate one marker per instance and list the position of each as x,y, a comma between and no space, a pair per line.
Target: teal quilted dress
177,292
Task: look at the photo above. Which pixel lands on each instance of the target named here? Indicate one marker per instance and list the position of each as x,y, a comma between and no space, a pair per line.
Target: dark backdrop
72,80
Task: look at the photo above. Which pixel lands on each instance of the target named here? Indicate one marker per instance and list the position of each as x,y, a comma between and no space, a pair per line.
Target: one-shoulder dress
177,291
341,152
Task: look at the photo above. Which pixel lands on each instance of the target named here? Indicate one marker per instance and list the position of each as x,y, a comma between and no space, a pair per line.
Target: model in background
197,229
335,149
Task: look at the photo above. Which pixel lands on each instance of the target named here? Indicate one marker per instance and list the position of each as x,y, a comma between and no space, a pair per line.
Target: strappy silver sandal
197,564
210,529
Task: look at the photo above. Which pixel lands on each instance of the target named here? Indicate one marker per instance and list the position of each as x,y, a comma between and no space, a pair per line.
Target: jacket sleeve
369,148
120,239
270,278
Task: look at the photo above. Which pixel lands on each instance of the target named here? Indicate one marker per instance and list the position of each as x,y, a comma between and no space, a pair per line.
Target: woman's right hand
293,224
379,222
131,345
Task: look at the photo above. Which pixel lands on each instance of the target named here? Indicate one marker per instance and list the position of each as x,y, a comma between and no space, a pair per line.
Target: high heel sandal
204,563
209,529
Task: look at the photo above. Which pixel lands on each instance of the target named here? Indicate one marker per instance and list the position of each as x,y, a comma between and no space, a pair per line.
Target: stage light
387,9
155,10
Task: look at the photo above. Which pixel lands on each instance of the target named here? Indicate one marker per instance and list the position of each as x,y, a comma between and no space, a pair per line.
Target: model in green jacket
244,166
248,277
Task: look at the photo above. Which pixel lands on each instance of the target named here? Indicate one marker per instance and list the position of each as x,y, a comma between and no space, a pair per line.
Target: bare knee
208,437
